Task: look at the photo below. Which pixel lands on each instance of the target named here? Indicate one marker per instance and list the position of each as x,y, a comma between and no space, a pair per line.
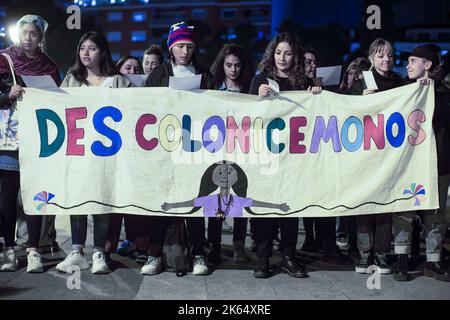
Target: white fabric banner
159,151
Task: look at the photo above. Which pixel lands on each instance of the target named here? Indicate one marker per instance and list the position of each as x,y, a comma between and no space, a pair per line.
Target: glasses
309,62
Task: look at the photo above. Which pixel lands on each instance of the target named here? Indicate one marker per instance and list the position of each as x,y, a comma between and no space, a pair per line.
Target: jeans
434,225
374,232
78,225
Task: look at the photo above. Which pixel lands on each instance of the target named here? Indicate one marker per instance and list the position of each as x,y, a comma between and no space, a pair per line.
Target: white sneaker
34,262
200,268
99,265
152,266
74,258
9,261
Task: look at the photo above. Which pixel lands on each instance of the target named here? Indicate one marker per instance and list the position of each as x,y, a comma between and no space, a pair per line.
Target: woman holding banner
283,62
424,66
93,68
375,230
232,71
25,58
183,63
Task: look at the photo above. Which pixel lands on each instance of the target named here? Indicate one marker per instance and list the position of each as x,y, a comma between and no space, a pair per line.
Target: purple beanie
180,32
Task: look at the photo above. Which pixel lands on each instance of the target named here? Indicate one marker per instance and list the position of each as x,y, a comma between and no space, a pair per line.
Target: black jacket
6,82
284,84
384,83
160,76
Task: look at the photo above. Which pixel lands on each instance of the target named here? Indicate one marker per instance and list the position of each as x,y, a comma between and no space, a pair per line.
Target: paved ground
228,282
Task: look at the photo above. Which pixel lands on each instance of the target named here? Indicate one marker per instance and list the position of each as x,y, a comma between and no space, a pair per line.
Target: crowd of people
285,61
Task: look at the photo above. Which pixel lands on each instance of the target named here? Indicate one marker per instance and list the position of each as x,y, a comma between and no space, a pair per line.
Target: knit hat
40,23
181,32
427,53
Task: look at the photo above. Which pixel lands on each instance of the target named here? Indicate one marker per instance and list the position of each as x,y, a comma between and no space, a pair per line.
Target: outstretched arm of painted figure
167,206
283,206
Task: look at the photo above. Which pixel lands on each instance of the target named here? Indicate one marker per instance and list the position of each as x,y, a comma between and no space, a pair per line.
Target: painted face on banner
383,60
150,62
224,176
232,67
416,67
284,57
182,52
131,66
310,65
29,37
90,54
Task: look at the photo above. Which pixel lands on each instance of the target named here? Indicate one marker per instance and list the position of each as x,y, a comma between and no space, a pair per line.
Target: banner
159,151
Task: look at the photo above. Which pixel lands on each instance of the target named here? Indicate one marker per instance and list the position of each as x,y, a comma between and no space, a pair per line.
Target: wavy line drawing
253,213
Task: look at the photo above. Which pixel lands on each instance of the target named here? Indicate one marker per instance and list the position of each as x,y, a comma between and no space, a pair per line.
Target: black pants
157,230
196,233
308,225
326,228
9,190
263,236
215,230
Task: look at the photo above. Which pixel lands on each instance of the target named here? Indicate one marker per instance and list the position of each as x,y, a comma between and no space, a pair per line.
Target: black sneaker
365,260
437,270
293,269
262,269
380,261
401,269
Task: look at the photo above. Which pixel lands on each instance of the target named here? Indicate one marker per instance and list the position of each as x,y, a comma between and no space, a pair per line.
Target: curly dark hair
297,77
247,68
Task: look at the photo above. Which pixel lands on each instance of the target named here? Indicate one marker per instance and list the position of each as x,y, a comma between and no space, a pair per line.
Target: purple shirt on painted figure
210,205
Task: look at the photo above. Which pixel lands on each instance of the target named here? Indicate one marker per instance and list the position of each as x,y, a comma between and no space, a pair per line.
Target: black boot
437,270
401,268
262,269
293,269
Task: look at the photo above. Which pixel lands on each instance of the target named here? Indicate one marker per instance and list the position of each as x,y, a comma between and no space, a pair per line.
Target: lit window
139,16
138,36
115,16
114,36
200,14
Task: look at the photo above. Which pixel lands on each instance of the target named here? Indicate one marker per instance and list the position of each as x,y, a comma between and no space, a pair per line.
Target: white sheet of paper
331,76
185,83
274,85
41,82
370,80
137,79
